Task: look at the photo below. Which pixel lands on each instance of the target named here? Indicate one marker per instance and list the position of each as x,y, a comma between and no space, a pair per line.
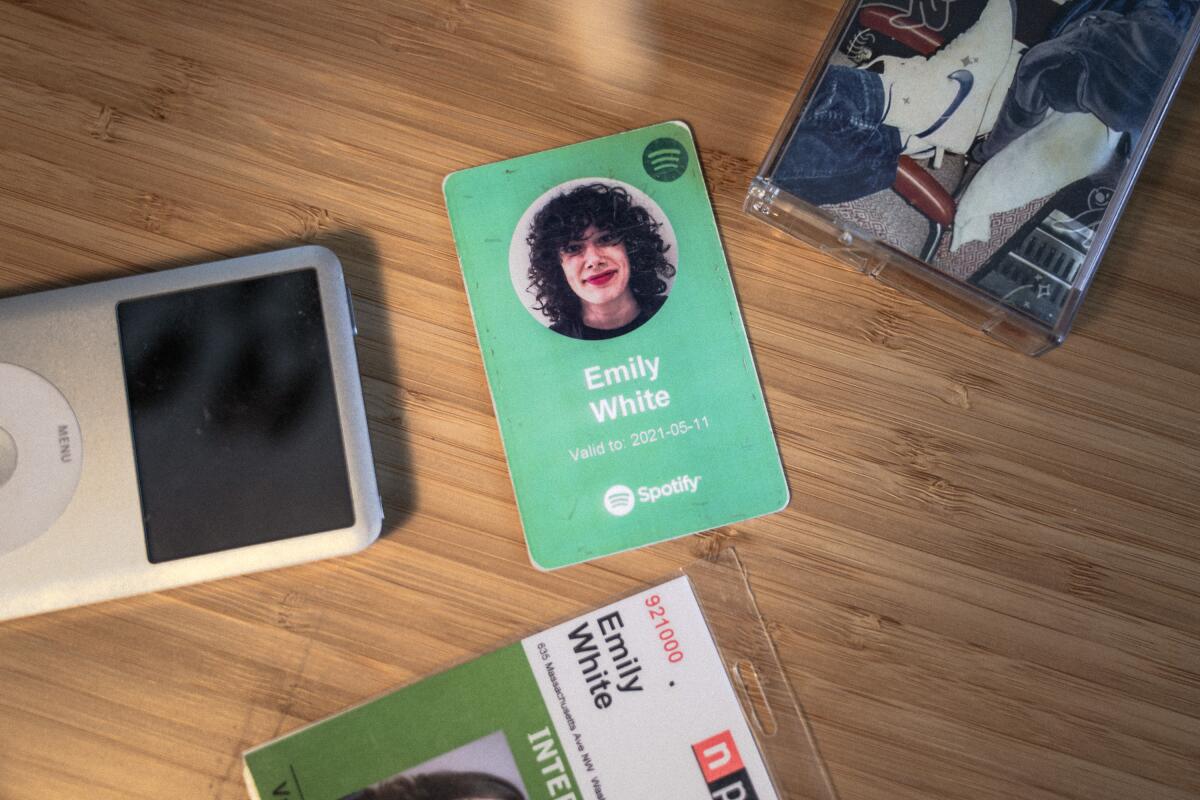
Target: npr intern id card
623,382
629,701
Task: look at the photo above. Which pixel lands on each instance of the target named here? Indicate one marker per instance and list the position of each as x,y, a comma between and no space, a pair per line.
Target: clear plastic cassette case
978,153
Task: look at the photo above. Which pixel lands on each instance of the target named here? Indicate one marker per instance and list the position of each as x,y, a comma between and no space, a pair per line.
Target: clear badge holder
672,691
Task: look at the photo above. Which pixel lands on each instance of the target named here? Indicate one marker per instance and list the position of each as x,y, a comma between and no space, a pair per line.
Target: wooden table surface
987,583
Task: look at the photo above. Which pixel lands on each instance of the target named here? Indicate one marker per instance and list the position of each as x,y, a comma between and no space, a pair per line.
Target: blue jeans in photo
1109,58
840,150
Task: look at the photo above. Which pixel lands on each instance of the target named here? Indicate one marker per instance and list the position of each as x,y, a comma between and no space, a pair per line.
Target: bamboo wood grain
987,583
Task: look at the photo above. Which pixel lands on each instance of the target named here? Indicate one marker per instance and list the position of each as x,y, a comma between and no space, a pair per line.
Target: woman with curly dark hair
440,786
597,264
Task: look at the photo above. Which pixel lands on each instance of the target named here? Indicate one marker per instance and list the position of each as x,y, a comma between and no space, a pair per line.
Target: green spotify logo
665,160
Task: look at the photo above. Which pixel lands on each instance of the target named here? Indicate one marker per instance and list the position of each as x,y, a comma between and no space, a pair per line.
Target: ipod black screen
234,415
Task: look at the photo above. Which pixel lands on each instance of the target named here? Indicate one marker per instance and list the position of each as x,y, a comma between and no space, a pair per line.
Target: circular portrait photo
593,259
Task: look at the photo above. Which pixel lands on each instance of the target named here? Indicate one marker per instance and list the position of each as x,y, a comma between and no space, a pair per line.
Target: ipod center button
8,456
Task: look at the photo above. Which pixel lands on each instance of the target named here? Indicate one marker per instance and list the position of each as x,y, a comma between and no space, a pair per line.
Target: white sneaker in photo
942,99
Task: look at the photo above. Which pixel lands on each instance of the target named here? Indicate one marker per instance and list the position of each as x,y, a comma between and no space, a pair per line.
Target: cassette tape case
978,153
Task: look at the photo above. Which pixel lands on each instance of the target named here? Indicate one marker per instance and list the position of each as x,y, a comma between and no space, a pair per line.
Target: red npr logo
722,767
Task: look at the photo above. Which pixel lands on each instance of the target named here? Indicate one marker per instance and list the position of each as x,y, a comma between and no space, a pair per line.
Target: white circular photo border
518,249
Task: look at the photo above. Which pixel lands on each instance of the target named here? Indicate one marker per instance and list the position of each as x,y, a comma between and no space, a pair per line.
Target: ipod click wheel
180,426
40,455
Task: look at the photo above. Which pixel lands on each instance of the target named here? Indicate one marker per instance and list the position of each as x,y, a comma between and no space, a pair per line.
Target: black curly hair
440,786
565,218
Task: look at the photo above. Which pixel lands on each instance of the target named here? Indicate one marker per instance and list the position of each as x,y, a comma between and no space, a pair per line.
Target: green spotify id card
623,382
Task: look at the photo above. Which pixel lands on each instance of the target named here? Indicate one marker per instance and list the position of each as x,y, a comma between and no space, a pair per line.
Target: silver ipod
180,426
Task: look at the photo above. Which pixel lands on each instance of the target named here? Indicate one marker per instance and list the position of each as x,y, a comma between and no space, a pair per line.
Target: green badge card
618,363
628,702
